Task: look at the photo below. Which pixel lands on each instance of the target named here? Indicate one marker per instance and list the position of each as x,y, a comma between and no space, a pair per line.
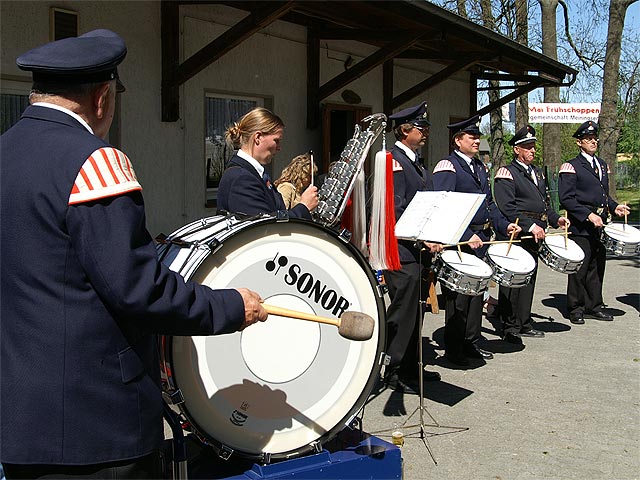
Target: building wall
169,157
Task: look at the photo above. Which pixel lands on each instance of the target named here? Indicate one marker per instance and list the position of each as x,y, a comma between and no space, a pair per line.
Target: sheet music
438,216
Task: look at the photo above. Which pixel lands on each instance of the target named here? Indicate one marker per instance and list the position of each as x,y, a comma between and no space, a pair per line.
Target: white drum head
518,260
572,251
470,264
280,385
623,233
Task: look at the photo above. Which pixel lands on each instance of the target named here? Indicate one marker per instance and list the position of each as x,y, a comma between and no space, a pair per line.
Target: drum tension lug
282,216
174,398
316,447
225,452
345,235
265,458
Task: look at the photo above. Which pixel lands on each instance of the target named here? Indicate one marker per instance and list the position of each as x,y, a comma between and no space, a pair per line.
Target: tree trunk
550,131
608,122
522,37
496,140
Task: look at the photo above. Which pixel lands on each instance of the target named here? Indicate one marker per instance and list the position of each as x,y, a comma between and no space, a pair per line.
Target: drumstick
513,234
556,234
566,235
624,226
491,242
459,252
311,161
351,325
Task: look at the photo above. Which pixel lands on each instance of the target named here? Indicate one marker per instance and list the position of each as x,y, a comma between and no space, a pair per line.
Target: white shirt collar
588,157
526,167
410,153
466,158
67,111
244,155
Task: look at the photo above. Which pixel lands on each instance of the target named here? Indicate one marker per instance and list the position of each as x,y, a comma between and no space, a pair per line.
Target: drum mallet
351,325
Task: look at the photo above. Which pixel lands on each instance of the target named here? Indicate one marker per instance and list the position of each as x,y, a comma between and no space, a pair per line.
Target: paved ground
563,407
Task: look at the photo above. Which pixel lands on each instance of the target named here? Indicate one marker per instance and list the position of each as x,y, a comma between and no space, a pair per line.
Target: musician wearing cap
83,291
245,186
583,189
463,172
520,192
411,129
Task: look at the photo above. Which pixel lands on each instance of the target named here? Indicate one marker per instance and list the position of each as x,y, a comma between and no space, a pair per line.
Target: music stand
421,407
437,217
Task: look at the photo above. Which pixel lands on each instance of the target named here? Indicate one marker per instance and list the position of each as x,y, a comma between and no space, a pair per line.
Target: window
14,98
64,23
221,111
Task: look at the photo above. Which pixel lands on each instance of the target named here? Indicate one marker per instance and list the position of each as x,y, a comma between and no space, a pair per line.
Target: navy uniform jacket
452,174
519,197
408,178
242,190
581,192
83,295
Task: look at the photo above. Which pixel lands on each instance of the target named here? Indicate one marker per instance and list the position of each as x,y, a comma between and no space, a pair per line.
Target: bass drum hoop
308,445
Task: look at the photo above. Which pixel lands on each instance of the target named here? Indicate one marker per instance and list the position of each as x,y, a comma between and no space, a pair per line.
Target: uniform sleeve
567,183
243,193
120,260
399,192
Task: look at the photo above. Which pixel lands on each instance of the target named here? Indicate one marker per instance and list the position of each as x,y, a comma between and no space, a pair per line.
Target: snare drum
513,270
281,388
560,258
621,239
469,276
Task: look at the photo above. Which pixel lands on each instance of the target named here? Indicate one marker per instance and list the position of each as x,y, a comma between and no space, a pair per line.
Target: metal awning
399,29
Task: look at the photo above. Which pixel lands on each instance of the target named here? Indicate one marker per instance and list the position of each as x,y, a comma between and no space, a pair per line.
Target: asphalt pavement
566,406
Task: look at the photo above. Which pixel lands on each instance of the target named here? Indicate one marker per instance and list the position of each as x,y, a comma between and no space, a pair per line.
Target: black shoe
474,352
576,318
532,333
402,385
512,338
599,315
457,359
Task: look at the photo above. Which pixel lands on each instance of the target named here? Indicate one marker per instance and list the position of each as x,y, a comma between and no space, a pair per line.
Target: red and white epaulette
395,165
567,168
504,172
106,173
444,166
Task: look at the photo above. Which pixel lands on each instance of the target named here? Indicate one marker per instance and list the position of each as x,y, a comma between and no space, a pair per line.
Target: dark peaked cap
414,115
89,58
525,135
470,126
587,128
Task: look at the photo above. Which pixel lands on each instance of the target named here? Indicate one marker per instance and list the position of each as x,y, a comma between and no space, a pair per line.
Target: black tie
531,174
595,167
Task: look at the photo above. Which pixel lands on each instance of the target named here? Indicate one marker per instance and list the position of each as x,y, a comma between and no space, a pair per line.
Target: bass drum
280,388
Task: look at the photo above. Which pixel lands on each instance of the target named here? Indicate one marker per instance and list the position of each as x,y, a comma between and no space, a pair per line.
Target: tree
609,128
551,131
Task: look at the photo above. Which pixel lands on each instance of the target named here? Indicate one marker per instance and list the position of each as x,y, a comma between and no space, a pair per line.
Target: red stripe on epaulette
567,168
106,173
504,172
444,166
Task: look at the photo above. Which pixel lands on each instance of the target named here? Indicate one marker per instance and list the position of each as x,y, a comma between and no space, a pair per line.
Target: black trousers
514,304
463,320
584,288
403,317
147,467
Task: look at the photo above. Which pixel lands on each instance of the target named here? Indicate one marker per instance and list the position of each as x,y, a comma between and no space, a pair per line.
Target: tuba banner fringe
383,245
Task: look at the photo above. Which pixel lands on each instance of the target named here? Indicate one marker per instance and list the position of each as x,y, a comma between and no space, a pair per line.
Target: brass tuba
336,188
